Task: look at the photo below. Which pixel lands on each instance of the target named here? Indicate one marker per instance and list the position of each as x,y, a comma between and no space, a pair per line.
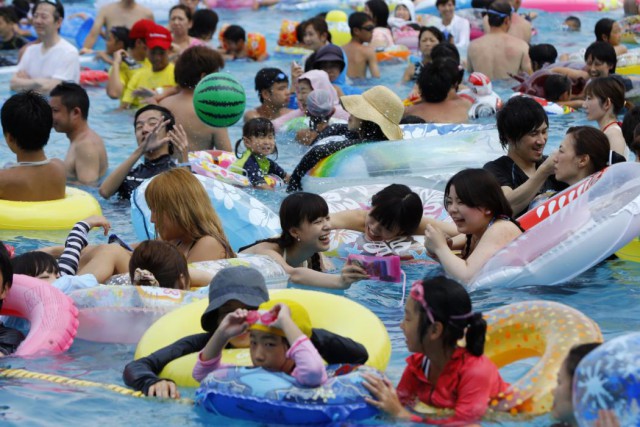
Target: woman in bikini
603,102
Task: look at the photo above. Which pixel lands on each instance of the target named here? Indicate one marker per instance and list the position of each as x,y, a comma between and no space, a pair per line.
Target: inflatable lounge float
52,316
219,165
434,153
346,242
245,219
51,215
348,319
576,229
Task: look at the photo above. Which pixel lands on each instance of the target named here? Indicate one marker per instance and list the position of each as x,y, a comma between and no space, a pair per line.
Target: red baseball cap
140,29
158,36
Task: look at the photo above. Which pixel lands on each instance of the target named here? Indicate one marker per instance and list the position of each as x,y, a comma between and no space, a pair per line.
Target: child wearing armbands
259,137
439,373
279,334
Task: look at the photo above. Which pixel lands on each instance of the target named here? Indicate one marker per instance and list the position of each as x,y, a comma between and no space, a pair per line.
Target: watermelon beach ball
219,100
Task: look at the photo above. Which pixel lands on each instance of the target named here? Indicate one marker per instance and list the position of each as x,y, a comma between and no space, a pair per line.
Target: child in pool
439,373
10,338
259,137
279,342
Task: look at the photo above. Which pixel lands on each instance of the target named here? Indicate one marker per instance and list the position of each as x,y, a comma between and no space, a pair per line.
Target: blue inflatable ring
258,395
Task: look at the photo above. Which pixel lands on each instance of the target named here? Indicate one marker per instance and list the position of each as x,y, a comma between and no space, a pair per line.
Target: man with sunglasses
359,56
44,65
498,54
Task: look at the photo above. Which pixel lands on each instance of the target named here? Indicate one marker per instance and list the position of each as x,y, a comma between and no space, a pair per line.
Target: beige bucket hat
380,106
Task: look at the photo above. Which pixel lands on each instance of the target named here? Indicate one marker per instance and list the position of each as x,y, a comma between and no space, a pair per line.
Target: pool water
608,293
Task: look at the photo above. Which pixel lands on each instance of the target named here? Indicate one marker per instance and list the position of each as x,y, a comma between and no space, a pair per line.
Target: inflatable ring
551,108
631,252
348,319
256,394
219,165
50,215
229,4
393,53
89,77
51,314
338,27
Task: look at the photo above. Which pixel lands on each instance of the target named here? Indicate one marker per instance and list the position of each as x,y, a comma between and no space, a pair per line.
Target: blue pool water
607,293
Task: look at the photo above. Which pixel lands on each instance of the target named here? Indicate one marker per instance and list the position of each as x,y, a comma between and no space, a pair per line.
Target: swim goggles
500,14
261,317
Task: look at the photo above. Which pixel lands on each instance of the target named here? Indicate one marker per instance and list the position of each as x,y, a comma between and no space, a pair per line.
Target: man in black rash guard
231,288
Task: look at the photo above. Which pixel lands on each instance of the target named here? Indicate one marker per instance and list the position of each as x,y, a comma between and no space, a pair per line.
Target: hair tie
10,249
143,277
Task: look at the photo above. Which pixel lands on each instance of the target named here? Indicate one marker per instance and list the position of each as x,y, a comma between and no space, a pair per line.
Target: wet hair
603,28
357,20
602,51
379,11
501,10
411,120
121,34
194,62
166,114
519,116
176,195
34,263
256,127
555,86
575,20
205,22
162,259
5,268
295,209
576,354
27,117
629,123
437,78
185,9
445,297
396,206
72,95
445,50
479,188
8,13
59,8
371,131
592,142
21,8
319,24
605,88
443,2
433,30
234,33
541,54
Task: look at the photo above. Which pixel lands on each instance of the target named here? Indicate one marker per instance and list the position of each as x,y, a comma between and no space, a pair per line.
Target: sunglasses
368,28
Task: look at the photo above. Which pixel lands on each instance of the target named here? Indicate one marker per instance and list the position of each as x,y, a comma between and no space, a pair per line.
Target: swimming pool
607,293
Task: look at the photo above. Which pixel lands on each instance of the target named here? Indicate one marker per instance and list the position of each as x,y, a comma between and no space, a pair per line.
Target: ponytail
476,334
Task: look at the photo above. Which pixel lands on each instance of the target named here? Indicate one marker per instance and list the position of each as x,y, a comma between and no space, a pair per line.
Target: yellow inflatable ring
630,252
347,318
51,215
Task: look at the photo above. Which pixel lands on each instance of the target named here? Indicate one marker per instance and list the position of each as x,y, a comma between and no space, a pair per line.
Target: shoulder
501,231
500,162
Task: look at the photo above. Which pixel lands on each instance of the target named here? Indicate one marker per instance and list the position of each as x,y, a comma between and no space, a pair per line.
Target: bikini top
11,165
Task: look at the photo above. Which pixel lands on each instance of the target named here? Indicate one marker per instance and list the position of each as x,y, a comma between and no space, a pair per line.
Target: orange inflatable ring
393,54
90,77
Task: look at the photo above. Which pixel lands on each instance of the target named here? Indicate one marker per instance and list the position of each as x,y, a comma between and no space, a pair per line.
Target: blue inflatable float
258,395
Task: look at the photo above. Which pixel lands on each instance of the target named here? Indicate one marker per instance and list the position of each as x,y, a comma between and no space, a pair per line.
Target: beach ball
609,378
219,100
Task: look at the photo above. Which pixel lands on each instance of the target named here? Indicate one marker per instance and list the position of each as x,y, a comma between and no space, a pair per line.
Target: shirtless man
272,86
86,161
520,27
192,65
438,83
124,13
361,57
26,123
498,54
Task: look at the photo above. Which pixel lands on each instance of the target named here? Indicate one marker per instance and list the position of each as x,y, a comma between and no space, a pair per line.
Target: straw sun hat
380,106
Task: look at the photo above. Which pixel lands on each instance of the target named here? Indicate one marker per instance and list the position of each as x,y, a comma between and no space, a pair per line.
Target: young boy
9,338
272,86
26,123
10,39
359,56
236,46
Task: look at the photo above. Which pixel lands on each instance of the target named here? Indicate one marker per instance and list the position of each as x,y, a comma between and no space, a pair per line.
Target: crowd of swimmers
154,70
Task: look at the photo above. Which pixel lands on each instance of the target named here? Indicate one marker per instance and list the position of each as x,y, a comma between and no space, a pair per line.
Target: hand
283,313
85,50
23,74
351,273
178,138
607,418
164,389
234,324
99,221
143,92
151,141
117,56
548,167
434,239
296,72
385,396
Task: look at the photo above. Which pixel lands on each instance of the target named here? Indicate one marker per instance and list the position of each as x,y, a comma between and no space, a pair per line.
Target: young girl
440,373
259,137
378,10
609,31
428,38
483,219
279,342
603,102
305,223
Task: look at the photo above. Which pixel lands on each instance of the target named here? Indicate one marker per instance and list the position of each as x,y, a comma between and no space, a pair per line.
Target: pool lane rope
58,379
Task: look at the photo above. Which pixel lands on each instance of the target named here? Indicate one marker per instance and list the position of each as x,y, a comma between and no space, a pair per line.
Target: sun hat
267,77
319,103
158,36
140,29
379,105
262,320
238,283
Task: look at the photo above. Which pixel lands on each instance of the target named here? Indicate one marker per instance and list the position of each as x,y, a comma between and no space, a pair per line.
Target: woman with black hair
378,10
439,373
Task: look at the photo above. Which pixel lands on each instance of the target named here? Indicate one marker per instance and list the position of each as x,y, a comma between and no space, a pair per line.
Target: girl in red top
439,373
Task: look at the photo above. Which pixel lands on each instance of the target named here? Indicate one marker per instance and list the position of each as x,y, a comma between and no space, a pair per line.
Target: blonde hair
178,196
